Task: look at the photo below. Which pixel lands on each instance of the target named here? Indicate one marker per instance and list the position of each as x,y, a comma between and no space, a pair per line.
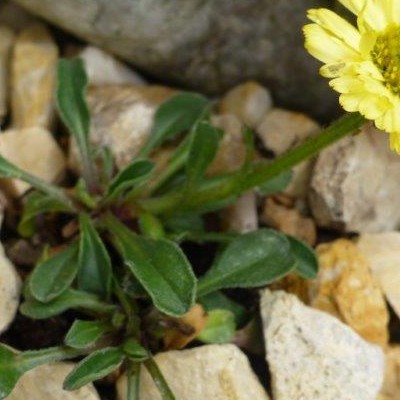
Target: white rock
313,356
204,373
242,215
355,185
7,39
104,69
382,250
35,151
10,286
46,382
249,102
282,130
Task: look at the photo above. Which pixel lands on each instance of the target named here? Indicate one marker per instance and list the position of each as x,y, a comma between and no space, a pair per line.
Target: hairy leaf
307,263
84,334
220,327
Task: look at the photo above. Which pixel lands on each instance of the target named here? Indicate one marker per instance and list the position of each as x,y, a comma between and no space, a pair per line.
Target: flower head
363,62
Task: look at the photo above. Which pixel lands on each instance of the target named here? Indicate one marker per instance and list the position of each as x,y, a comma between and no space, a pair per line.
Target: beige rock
314,356
282,130
231,152
7,39
382,250
355,185
10,286
122,117
249,102
34,67
206,372
288,220
46,382
35,151
14,16
346,289
242,215
104,69
391,384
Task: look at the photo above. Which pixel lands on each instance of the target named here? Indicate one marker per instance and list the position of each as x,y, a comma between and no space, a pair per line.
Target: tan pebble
391,384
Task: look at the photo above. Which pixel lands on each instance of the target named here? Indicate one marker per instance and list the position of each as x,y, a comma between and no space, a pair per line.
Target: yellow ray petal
355,6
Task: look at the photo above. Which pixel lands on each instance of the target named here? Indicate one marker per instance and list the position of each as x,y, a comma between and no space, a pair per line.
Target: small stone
242,215
34,150
354,186
10,286
7,39
104,69
206,372
231,152
122,117
345,288
288,220
314,356
46,382
249,102
382,250
391,384
282,130
34,66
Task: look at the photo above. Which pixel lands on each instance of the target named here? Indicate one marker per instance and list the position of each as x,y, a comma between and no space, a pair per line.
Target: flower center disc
386,56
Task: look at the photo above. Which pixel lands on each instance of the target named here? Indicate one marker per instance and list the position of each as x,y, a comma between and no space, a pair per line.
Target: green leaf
84,334
13,364
203,148
82,194
159,265
95,269
35,204
307,262
97,365
217,300
175,116
55,275
134,173
151,226
220,327
134,350
253,259
69,299
275,185
71,102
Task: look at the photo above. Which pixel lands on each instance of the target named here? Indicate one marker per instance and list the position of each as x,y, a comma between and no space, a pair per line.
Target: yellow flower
363,63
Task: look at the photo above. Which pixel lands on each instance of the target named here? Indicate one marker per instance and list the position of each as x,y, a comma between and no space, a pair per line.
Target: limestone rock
103,69
231,152
10,285
382,250
46,381
205,45
249,102
391,384
35,151
314,356
345,288
288,220
122,117
242,215
281,130
206,372
354,186
34,67
6,42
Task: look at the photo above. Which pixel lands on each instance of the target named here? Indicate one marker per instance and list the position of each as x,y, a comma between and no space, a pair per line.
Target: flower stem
133,381
159,380
223,187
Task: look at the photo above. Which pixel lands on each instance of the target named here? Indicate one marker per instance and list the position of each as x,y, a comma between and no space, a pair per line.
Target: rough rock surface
314,356
206,372
205,45
7,40
345,288
45,383
10,285
382,250
391,384
355,184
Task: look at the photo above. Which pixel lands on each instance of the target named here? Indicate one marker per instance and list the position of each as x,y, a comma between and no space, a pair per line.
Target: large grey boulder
205,45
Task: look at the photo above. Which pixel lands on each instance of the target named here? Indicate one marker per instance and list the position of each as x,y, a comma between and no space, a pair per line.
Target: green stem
159,379
222,187
133,381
